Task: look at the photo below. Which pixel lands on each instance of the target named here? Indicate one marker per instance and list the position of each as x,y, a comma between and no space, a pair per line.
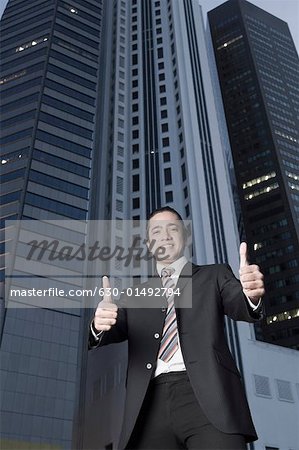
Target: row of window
63,143
73,62
71,76
273,254
65,125
55,206
57,183
66,107
261,191
61,163
20,37
78,24
272,241
70,92
286,315
21,87
93,18
75,35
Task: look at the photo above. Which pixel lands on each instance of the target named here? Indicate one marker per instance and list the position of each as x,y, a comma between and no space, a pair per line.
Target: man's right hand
106,312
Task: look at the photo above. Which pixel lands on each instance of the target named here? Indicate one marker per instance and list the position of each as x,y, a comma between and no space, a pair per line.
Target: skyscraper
49,94
258,71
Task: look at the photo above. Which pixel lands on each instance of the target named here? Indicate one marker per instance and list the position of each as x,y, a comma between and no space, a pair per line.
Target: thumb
243,255
106,285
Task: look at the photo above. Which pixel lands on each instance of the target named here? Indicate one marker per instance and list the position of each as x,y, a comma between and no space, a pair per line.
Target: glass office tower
49,88
259,72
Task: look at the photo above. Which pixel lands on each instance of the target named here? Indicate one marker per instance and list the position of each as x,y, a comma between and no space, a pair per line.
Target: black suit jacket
212,371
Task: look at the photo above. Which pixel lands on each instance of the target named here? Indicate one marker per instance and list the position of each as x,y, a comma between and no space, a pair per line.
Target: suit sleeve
117,333
234,301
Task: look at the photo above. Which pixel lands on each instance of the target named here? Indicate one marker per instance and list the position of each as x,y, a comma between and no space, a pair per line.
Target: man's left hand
251,277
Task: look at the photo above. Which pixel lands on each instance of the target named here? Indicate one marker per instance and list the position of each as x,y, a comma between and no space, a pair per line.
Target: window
135,120
164,114
135,148
161,77
164,127
135,163
166,157
160,52
136,203
165,142
135,183
120,166
163,101
135,134
119,185
119,205
284,390
167,176
183,172
168,196
262,386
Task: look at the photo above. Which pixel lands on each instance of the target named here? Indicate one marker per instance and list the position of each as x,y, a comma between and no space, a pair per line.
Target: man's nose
166,235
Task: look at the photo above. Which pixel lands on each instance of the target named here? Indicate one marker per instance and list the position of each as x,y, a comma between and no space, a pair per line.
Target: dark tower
259,75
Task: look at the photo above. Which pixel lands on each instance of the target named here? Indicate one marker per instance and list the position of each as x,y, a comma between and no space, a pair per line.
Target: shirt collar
176,265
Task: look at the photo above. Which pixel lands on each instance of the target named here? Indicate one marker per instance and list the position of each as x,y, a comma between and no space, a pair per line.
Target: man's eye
156,232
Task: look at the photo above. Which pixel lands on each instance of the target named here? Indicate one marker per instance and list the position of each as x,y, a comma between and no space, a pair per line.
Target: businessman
183,389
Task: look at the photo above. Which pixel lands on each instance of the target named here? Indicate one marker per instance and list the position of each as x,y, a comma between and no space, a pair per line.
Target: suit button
163,309
156,335
149,366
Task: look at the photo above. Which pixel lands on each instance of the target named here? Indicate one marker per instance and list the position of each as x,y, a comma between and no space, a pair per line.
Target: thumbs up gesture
106,312
250,276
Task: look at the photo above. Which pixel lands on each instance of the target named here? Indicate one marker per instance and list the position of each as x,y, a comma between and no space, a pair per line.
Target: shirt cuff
94,333
253,305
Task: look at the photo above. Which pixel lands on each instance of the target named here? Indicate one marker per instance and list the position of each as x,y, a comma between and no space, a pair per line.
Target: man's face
165,237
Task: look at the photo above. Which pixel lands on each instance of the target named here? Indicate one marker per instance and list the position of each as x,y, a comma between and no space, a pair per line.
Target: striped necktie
169,342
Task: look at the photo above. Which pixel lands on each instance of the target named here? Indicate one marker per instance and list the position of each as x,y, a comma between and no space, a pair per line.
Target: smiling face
166,237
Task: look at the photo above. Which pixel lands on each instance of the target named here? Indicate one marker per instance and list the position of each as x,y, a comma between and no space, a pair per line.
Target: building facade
49,94
258,72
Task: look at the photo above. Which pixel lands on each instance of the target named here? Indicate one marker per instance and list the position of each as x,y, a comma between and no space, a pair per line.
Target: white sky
287,10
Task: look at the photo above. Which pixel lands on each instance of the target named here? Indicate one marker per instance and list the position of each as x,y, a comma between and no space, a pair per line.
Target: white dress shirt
176,363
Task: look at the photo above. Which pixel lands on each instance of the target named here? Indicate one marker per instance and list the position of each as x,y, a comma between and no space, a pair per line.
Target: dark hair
171,210
164,208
